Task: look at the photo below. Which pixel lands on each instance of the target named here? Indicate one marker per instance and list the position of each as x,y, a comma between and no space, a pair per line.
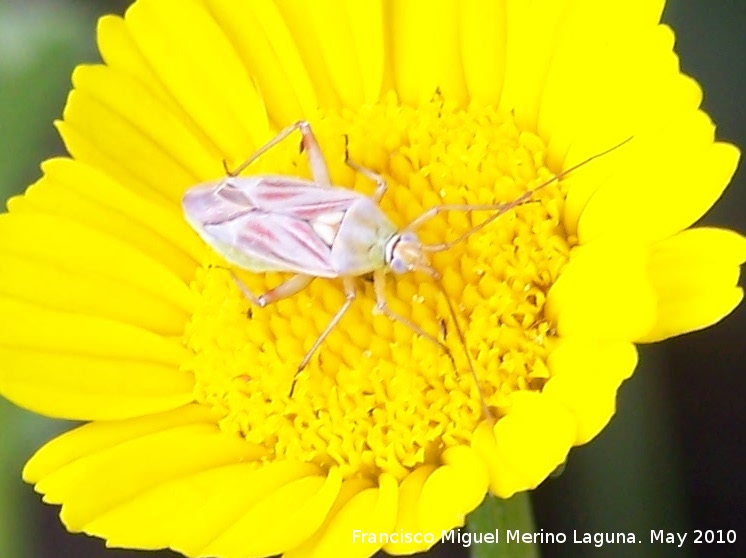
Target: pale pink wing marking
285,242
294,197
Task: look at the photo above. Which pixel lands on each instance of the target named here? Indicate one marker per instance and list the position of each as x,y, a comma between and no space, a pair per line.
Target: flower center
375,397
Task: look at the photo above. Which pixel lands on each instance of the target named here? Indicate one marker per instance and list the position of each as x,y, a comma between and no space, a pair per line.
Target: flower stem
496,514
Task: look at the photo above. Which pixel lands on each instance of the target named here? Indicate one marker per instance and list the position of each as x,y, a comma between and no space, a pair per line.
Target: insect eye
398,266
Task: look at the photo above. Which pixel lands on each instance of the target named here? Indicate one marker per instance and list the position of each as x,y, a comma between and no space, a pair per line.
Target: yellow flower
116,313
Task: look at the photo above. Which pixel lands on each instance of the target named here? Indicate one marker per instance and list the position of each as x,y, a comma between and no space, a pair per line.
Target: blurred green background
673,458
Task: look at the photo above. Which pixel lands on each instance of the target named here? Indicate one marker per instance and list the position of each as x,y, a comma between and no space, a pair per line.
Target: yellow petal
423,66
695,274
585,376
122,142
603,293
483,35
157,133
532,441
74,247
190,511
154,519
281,521
86,368
593,97
526,444
119,52
342,45
234,491
222,101
485,446
100,436
79,192
452,490
65,383
42,286
270,55
83,148
324,40
531,34
678,185
366,19
408,520
97,483
36,329
371,510
543,40
124,58
599,116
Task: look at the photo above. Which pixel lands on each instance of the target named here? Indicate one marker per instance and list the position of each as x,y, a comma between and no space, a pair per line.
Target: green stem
498,515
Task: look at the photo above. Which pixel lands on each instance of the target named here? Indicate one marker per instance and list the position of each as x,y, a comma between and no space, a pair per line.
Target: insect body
278,223
314,229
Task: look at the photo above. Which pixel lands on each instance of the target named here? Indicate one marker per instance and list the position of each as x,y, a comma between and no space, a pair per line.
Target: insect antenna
499,209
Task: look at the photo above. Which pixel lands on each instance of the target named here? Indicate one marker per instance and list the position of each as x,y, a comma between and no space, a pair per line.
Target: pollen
375,397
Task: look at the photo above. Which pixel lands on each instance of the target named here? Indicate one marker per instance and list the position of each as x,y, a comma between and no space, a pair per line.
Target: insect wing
270,223
298,198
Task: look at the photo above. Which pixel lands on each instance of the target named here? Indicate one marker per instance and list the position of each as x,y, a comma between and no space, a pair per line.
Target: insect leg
380,181
350,295
316,161
285,289
379,284
319,169
443,328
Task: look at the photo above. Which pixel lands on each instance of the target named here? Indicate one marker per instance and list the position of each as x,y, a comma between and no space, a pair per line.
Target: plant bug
315,229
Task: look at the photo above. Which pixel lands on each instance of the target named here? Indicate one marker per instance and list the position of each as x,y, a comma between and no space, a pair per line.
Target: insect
315,229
